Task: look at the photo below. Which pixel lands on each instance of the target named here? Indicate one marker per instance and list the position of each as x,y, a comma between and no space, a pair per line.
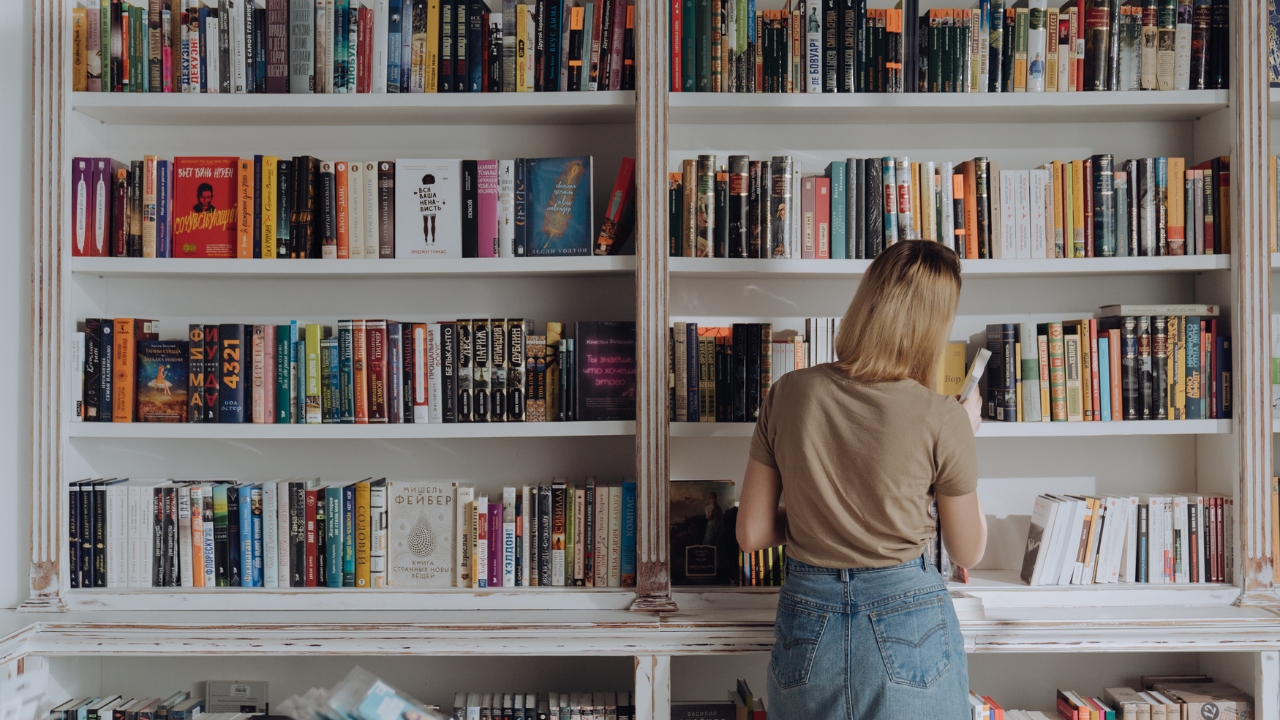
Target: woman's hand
973,406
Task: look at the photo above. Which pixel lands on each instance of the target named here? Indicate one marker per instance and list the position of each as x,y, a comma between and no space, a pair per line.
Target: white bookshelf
805,269
426,431
478,268
992,429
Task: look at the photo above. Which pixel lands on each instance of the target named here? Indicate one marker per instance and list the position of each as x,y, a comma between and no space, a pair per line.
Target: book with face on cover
428,208
204,207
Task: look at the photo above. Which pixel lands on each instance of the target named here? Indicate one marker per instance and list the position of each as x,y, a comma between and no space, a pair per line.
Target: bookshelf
664,634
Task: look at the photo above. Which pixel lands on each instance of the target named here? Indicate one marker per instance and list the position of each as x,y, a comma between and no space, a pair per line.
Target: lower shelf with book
345,600
1009,430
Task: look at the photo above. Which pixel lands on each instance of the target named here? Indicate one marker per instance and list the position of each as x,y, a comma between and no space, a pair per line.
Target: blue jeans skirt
867,644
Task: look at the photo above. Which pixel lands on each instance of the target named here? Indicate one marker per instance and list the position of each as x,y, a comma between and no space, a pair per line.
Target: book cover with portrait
560,211
428,207
704,546
204,207
162,381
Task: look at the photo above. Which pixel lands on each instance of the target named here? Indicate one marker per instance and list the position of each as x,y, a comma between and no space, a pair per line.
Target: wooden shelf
994,429
183,109
755,269
449,267
351,599
250,431
949,108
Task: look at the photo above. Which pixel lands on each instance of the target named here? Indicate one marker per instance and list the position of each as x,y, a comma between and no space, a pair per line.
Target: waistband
846,574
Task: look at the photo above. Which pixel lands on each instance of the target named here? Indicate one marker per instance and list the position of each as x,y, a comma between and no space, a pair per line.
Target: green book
702,50
839,235
283,346
1021,32
104,32
313,374
333,531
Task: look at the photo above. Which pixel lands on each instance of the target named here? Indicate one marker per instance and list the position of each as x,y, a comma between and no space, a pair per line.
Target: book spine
231,374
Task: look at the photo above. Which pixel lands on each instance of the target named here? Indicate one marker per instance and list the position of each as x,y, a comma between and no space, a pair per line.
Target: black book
926,52
395,371
212,373
448,372
752,363
297,534
284,208
691,370
386,210
1219,53
158,536
909,54
541,31
1129,366
517,371
1006,51
982,202
1141,570
766,205
74,551
98,533
233,534
862,55
306,237
995,66
470,210
1132,239
739,382
755,187
675,218
446,46
602,369
1146,395
846,45
93,372
87,507
855,221
495,56
588,534
462,48
996,374
735,219
326,219
464,372
720,242
499,361
481,370
724,380
575,50
1113,44
830,44
232,373
1097,44
544,535
260,50
1104,206
106,356
628,80
224,52
874,204
134,241
1160,367
671,373
172,559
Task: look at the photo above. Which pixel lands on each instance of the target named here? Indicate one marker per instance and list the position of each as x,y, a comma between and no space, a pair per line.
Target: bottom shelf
349,599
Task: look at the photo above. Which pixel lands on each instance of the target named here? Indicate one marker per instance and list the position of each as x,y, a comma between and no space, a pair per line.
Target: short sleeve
955,454
762,439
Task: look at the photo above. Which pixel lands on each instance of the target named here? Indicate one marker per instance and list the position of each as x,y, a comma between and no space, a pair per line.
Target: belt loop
844,575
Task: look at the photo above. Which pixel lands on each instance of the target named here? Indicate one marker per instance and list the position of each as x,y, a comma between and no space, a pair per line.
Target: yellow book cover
1017,375
1059,227
522,32
1068,215
951,370
244,210
1091,550
363,534
1046,413
79,49
1178,335
1086,369
917,187
1177,204
269,164
150,168
313,408
1077,208
431,51
124,348
1051,64
555,331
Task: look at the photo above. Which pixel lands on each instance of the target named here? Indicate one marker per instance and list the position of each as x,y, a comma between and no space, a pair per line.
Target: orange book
970,209
244,210
1117,399
998,712
962,220
360,372
1059,220
124,370
341,215
1094,369
197,535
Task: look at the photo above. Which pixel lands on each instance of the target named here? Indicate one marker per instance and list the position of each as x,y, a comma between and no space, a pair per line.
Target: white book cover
1155,540
1039,533
238,76
813,45
184,536
213,69
355,210
1111,518
1121,535
480,545
428,208
113,522
1037,44
1031,379
1007,248
423,358
946,203
615,536
283,577
506,208
421,519
1022,212
1071,541
508,537
121,536
1170,542
1041,188
381,24
1066,53
369,213
77,376
134,524
463,544
435,409
1182,47
1182,544
270,535
378,534
1129,561
526,500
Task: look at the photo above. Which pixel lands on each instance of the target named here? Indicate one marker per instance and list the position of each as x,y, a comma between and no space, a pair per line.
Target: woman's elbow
967,557
749,539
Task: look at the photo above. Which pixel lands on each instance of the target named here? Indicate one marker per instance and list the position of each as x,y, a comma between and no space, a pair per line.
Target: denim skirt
867,644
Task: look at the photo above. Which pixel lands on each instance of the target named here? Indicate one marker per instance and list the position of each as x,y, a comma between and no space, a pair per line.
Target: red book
808,218
204,207
364,49
119,210
619,216
100,232
995,707
677,45
376,368
1067,709
822,216
311,536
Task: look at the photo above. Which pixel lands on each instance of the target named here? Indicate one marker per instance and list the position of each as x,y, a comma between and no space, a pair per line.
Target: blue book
246,534
1104,377
627,563
335,389
333,530
395,17
295,366
255,506
346,374
559,212
839,235
1194,379
349,536
164,188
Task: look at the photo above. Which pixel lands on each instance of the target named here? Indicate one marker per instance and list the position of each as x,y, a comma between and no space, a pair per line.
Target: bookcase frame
688,622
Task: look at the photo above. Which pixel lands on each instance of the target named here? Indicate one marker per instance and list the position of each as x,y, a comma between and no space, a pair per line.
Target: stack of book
844,46
1144,207
548,706
368,371
270,207
1184,538
178,706
350,46
367,534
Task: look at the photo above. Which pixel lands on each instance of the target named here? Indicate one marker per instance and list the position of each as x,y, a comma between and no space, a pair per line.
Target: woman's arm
761,523
964,528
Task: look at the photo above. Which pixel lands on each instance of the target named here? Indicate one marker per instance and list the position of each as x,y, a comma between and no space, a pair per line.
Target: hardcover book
428,208
420,517
703,544
204,207
162,381
606,370
560,212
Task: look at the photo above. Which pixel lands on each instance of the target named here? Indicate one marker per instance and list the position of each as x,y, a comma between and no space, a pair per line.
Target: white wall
15,302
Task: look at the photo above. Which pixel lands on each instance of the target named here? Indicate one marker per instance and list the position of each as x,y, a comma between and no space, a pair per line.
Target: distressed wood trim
48,82
1266,686
653,687
1252,331
653,459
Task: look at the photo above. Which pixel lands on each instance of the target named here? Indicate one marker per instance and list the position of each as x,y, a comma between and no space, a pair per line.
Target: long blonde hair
901,315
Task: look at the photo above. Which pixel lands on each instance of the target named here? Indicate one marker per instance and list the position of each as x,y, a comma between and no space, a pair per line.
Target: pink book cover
808,220
487,196
495,544
269,374
616,39
822,216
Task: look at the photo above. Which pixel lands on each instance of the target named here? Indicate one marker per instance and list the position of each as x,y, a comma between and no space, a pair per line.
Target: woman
856,450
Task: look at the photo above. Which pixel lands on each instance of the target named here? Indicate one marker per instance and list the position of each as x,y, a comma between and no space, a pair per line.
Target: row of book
1173,363
721,374
1162,698
855,208
366,534
1077,540
544,706
270,207
816,46
368,371
178,706
352,46
704,546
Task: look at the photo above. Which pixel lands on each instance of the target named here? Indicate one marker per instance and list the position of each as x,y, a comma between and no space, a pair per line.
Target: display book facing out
855,208
367,534
303,207
368,371
344,46
844,46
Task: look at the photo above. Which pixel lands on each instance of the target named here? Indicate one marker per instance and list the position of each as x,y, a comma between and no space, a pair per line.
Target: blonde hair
900,317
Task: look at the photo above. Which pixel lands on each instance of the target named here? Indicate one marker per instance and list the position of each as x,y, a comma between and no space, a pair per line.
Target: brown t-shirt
860,464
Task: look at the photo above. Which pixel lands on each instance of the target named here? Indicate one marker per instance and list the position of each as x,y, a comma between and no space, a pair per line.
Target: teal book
1195,377
349,536
559,207
627,547
162,381
255,507
283,351
334,526
1104,377
839,189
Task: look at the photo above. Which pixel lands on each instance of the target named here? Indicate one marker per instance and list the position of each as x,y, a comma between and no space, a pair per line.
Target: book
704,550
421,518
205,207
427,209
162,381
560,206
